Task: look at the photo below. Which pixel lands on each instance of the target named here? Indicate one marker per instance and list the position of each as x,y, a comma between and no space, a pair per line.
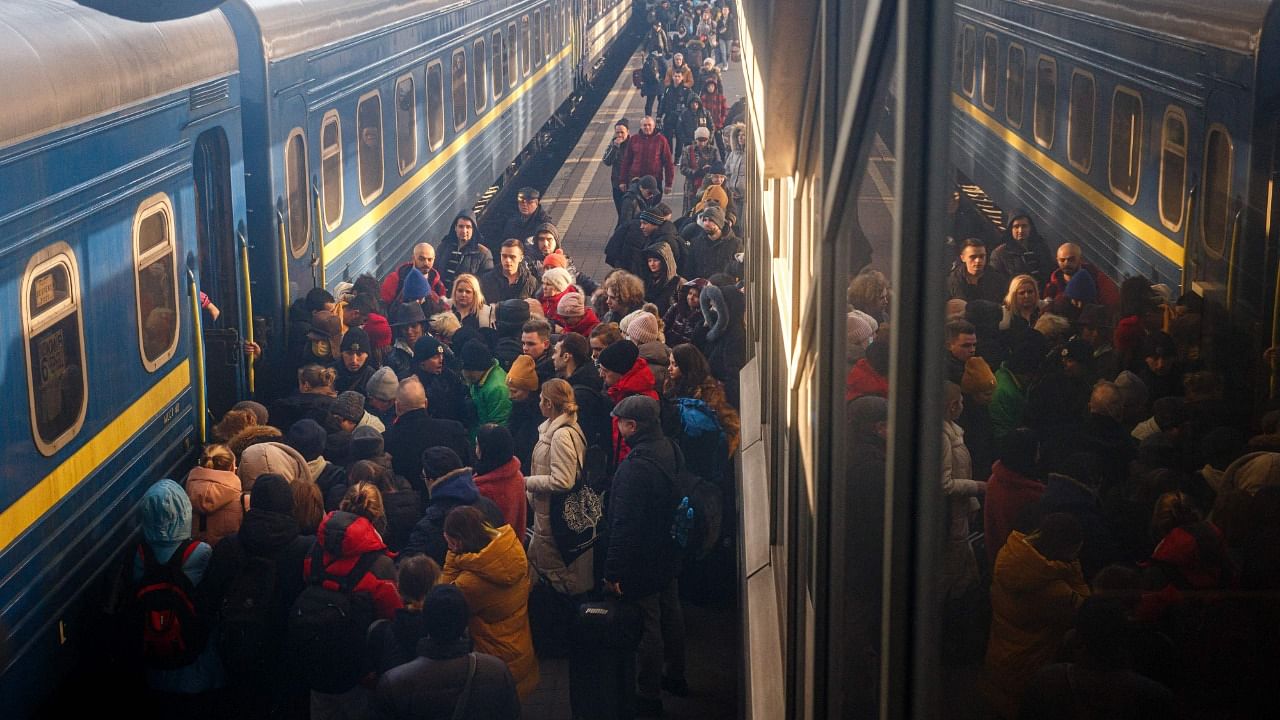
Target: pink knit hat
571,305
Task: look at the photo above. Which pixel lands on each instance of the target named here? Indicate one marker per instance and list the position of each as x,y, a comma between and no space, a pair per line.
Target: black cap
619,357
439,461
528,193
271,492
427,347
476,356
356,340
445,614
640,408
307,437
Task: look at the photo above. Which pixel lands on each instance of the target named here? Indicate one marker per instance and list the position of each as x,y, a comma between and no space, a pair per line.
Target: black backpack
328,626
249,630
172,634
698,511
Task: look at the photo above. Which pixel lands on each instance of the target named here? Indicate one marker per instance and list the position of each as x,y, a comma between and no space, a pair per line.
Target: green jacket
1008,405
493,403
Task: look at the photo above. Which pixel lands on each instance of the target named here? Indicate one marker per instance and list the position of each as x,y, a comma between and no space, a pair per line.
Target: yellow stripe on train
1155,239
40,499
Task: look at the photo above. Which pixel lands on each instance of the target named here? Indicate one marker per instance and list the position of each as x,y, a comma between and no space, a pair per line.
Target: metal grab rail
284,268
1231,258
248,305
202,400
317,250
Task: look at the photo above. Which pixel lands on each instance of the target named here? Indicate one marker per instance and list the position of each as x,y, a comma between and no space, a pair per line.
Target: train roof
291,27
64,63
1236,25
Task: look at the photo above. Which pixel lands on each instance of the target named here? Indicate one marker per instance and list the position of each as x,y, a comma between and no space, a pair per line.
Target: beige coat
959,565
554,466
216,510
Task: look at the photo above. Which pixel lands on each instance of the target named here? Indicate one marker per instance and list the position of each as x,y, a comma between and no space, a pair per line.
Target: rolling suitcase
602,660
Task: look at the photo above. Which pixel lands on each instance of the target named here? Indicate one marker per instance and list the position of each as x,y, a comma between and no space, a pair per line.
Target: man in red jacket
1070,261
648,153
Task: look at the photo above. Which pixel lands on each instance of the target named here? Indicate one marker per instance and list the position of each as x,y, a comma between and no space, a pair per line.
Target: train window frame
525,65
297,249
1165,148
412,125
480,69
968,59
1021,83
510,49
1135,145
435,110
1216,253
535,34
1086,164
368,197
458,70
990,81
1045,141
546,33
332,117
142,259
50,257
496,59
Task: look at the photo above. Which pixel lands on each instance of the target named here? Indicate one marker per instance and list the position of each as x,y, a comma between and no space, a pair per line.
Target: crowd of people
1110,548
467,450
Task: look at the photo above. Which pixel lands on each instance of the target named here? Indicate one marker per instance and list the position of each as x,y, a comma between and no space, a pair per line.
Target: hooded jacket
473,258
663,288
447,395
681,322
709,256
1013,259
693,116
724,317
453,490
638,380
520,227
495,582
1033,603
493,402
215,503
272,457
345,538
504,485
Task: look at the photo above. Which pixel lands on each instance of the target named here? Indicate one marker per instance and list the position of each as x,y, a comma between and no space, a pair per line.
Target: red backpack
173,634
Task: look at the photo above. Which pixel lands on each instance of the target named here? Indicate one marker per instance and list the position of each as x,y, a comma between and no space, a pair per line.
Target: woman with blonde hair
469,304
553,470
489,566
312,399
214,490
443,325
1021,304
364,499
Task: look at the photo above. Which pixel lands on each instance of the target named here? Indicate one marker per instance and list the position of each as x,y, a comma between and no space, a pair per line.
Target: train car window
1173,168
537,37
1080,121
331,168
406,124
546,34
1015,85
1046,107
459,89
52,324
524,44
510,50
1126,144
480,84
990,71
369,145
497,63
156,280
1215,218
967,60
297,199
435,105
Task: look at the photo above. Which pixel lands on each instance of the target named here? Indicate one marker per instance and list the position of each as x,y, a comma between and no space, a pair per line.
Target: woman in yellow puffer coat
1036,590
490,568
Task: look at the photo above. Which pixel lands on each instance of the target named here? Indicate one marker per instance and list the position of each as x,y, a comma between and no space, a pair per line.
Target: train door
220,270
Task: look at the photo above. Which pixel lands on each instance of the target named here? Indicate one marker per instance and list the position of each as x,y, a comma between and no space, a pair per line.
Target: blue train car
119,159
1142,130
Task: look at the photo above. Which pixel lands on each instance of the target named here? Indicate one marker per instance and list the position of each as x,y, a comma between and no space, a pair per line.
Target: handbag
609,622
576,513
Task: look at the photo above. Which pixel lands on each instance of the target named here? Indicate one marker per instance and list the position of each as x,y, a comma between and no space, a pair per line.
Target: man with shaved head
415,430
392,290
1071,261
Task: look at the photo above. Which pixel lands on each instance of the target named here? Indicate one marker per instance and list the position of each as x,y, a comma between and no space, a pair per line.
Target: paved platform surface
581,203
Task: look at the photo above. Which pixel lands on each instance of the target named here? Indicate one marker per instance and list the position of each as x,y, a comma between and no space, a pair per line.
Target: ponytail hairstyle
364,499
320,379
217,456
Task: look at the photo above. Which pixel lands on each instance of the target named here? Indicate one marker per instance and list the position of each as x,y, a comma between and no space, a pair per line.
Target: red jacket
549,304
504,485
649,155
1108,292
585,324
358,537
637,381
864,380
1007,494
717,106
392,284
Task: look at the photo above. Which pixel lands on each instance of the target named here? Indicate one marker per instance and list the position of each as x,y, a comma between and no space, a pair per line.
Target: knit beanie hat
856,328
619,357
349,405
571,306
651,216
445,614
548,227
522,375
416,285
382,386
558,279
307,437
978,380
555,259
714,214
439,461
1082,287
366,443
1252,472
272,457
337,447
356,340
477,356
271,493
425,348
643,327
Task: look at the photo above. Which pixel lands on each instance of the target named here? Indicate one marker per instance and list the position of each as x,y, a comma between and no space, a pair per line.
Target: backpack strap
464,699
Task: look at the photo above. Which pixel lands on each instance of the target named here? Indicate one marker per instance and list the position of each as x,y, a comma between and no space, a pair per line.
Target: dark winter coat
707,257
414,432
613,160
523,423
348,380
299,406
641,557
594,405
1034,259
428,687
992,285
473,258
633,202
447,396
725,343
456,489
496,287
692,117
681,322
520,227
1064,495
663,288
675,100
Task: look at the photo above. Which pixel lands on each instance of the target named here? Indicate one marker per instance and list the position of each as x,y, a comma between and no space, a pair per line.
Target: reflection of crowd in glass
471,444
1110,547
